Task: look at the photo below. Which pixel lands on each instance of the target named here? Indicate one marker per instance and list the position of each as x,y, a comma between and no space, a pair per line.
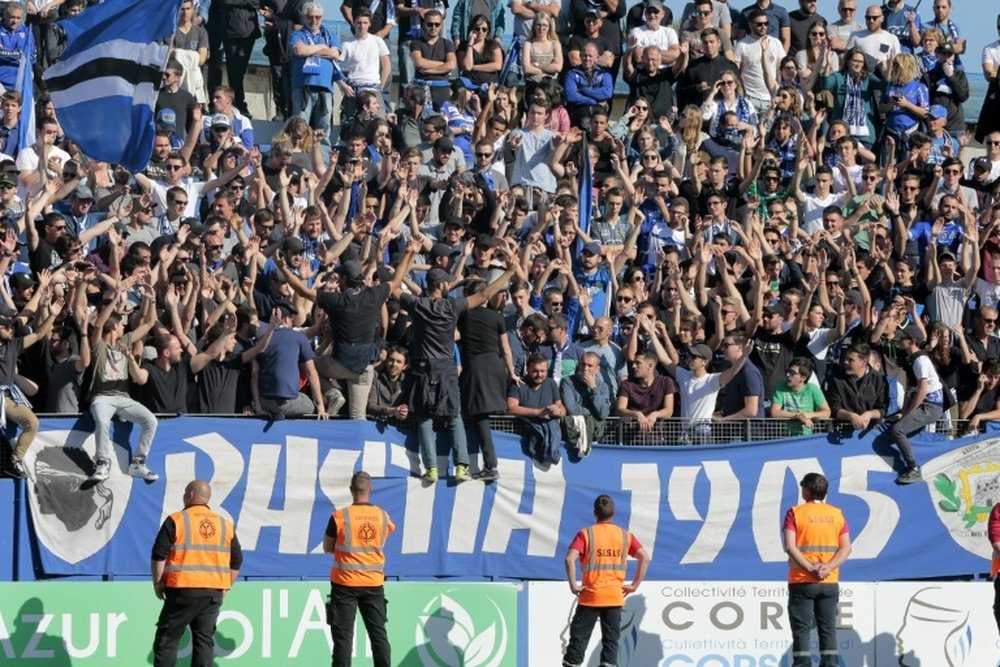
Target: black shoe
910,476
487,475
17,469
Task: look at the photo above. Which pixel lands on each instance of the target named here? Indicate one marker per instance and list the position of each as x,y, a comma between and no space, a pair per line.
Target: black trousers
179,612
579,634
809,603
345,602
996,600
237,55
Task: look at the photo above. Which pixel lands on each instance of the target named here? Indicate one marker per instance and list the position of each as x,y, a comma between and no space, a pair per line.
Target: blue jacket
12,45
583,90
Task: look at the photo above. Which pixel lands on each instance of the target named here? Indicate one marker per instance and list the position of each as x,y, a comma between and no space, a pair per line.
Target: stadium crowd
778,222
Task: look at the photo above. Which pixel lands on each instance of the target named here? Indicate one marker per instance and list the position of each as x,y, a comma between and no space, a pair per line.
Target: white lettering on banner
883,512
265,630
228,467
723,506
544,519
767,512
416,532
334,480
374,461
312,619
92,642
465,517
292,521
642,480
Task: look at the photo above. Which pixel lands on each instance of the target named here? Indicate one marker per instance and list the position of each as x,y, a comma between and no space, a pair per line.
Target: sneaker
138,469
17,469
910,476
102,470
487,475
462,474
431,476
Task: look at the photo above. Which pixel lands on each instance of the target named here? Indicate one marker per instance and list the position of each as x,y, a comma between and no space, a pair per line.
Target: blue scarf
854,104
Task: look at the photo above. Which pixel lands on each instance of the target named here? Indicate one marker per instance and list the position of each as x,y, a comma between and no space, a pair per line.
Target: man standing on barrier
196,558
603,550
818,542
356,536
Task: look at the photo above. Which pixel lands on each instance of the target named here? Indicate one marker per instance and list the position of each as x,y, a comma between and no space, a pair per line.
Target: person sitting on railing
587,399
799,399
980,401
538,403
857,394
387,400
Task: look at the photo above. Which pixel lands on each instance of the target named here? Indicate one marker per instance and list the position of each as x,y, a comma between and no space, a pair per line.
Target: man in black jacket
856,393
697,81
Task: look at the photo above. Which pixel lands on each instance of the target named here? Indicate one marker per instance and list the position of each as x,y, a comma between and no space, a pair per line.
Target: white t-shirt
662,37
193,188
697,394
360,59
989,294
923,368
531,160
27,159
812,211
840,184
750,63
879,46
991,54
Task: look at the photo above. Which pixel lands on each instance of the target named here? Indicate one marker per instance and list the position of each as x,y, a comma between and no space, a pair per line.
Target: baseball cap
293,245
594,248
775,309
83,192
702,351
937,111
286,306
444,144
486,241
21,281
912,332
854,296
351,269
442,250
982,162
221,120
436,276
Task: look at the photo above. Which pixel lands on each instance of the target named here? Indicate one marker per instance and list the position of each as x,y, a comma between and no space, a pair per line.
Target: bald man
195,560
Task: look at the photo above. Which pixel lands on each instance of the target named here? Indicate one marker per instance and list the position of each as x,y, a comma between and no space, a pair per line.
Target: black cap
442,250
444,144
486,241
437,276
351,270
775,309
292,245
946,49
21,281
912,332
286,306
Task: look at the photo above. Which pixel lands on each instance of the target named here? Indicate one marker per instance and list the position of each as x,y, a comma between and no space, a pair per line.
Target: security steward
196,558
817,542
356,537
603,550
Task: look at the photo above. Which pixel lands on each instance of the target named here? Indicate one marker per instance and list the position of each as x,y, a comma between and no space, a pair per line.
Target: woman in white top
814,53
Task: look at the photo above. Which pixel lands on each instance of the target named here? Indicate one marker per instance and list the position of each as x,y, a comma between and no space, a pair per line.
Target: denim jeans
315,107
288,407
106,406
805,603
579,634
428,442
406,68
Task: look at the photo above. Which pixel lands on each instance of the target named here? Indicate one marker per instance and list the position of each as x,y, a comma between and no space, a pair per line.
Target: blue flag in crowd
104,85
586,188
26,86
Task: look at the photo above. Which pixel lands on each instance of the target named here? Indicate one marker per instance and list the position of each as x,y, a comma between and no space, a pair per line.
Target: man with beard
698,79
648,81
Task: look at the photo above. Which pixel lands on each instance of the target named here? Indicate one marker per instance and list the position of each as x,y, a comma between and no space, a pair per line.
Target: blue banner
705,513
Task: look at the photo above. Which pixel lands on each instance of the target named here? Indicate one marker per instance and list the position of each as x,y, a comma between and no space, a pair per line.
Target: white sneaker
138,469
18,470
102,470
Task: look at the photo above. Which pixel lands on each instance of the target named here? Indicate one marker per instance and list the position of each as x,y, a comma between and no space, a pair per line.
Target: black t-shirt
604,43
182,102
9,352
378,15
438,51
481,330
43,257
166,391
271,173
354,315
800,24
218,385
434,322
771,354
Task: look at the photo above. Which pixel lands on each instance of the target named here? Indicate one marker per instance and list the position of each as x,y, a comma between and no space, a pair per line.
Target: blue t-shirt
897,23
322,77
279,363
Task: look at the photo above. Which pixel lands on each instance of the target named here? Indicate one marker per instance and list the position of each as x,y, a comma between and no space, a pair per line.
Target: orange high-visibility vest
358,559
604,563
199,557
818,527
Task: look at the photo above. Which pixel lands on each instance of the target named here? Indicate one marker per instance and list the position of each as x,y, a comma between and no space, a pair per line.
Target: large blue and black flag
104,85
